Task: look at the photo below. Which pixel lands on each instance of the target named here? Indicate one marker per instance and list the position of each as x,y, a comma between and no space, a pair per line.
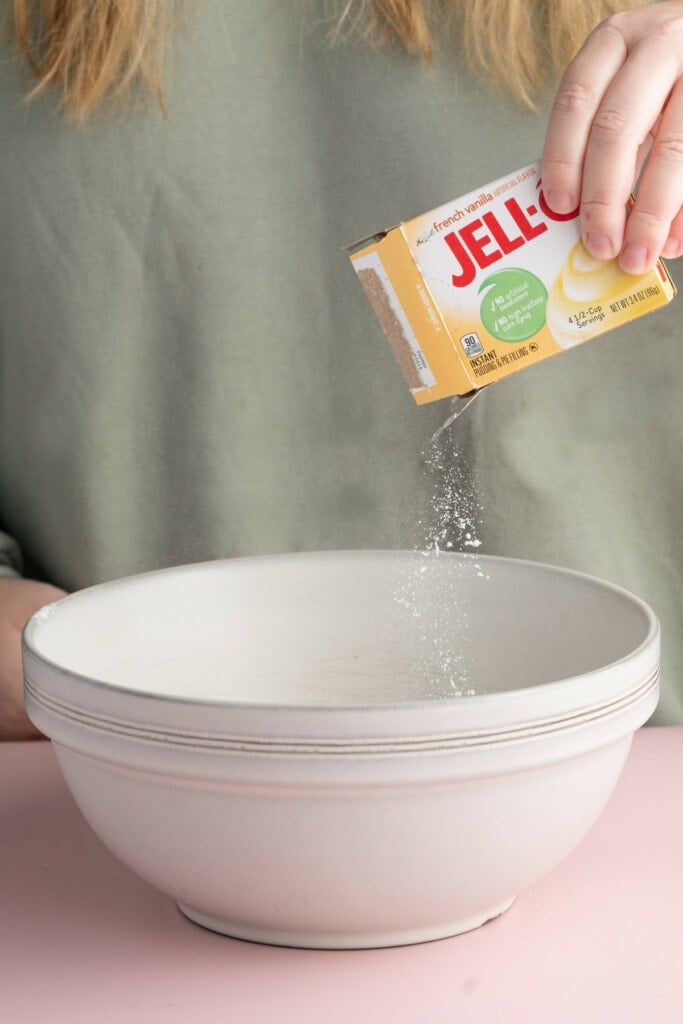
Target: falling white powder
458,406
442,640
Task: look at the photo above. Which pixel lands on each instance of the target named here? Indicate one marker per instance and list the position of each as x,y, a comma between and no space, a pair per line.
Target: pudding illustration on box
491,283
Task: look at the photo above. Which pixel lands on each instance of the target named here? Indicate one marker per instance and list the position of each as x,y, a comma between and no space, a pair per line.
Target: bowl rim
501,697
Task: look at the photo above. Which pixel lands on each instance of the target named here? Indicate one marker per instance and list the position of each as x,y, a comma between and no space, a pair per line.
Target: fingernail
634,258
559,201
672,248
599,245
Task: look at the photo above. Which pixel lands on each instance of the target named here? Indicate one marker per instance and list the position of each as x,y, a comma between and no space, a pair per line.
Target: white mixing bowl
343,749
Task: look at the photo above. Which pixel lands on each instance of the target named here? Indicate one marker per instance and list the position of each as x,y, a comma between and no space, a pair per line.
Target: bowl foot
342,940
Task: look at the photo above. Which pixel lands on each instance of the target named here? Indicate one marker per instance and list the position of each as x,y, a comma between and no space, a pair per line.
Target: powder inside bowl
335,629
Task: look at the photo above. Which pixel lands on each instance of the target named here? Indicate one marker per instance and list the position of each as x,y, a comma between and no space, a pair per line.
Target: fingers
619,109
673,247
578,100
629,108
655,220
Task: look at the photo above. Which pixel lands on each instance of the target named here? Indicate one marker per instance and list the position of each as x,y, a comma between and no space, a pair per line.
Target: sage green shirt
190,370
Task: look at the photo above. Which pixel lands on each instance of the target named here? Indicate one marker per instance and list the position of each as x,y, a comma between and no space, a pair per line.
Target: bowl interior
330,629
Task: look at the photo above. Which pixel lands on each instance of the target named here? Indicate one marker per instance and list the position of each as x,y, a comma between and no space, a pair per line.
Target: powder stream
441,639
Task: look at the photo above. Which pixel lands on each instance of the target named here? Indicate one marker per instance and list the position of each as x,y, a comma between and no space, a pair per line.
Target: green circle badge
513,306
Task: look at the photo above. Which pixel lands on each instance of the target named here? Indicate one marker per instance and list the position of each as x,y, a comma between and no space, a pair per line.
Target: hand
19,599
620,102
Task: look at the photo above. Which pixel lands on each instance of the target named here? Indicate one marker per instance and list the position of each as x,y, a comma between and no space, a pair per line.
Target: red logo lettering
474,248
467,271
550,214
477,246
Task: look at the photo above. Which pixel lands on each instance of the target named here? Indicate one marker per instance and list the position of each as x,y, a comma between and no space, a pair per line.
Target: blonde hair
517,46
97,51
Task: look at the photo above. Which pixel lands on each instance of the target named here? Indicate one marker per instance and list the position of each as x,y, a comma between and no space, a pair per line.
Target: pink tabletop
598,940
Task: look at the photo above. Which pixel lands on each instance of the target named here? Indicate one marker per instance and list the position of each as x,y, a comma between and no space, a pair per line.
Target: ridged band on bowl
331,746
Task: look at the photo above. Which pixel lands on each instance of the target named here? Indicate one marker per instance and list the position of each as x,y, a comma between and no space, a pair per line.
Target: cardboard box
491,283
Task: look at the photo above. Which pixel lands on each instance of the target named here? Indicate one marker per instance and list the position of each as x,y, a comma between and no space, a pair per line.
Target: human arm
620,103
19,599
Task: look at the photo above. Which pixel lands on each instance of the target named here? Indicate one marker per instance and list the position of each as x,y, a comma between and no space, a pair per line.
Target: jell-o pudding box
491,283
